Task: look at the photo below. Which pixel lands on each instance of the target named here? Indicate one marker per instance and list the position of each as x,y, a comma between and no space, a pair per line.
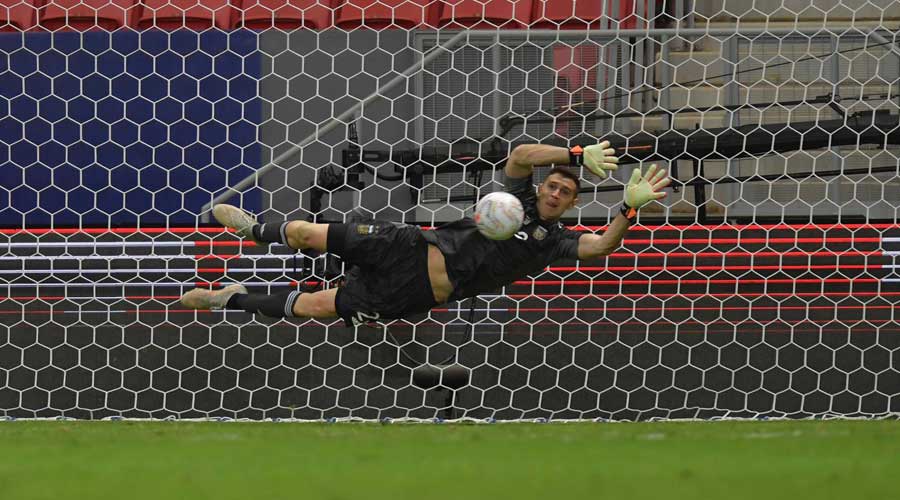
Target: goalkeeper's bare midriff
437,273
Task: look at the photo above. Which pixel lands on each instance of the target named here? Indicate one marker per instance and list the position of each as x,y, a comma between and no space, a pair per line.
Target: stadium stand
87,15
380,14
282,14
17,15
108,15
558,14
193,14
473,14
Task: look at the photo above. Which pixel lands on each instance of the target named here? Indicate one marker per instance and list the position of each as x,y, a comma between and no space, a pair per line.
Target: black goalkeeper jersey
477,265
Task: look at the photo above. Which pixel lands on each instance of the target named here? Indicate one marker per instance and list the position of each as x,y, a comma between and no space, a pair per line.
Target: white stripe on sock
283,231
289,304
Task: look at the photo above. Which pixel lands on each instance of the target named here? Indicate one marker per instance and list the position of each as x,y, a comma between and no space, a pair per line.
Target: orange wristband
576,155
629,212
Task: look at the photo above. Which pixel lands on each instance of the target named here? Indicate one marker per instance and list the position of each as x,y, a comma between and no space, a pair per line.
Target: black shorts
386,271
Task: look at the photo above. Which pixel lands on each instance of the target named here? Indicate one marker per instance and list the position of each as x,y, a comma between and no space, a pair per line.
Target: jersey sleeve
567,247
522,188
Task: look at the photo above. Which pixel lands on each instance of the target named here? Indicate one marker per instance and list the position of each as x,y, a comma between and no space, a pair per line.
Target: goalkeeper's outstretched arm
599,158
641,189
525,157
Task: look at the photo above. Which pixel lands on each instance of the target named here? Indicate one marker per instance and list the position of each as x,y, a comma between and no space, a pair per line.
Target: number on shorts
362,318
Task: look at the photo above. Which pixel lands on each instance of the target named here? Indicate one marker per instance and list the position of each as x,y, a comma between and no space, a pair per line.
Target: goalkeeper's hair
568,174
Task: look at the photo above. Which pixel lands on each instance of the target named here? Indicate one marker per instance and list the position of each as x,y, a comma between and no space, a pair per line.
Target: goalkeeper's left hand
643,189
600,158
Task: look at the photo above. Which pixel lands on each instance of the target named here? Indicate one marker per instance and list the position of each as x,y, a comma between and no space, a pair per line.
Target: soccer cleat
201,298
235,218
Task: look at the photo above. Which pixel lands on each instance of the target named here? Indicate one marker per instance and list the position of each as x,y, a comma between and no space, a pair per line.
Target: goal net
764,285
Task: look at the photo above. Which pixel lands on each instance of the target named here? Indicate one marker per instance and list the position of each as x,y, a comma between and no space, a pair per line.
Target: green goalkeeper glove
600,159
643,189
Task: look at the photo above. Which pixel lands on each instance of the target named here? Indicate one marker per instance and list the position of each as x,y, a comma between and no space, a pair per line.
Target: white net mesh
764,285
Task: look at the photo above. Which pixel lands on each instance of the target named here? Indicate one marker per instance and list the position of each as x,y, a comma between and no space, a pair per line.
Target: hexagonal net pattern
763,285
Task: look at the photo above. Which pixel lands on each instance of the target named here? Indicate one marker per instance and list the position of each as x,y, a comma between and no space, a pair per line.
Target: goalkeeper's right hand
600,159
643,189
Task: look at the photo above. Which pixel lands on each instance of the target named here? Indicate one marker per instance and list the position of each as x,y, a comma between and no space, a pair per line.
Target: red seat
197,15
379,14
566,14
627,19
17,15
86,15
282,14
485,14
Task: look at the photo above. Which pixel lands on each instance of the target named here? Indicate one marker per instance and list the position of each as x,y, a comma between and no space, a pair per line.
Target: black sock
278,305
272,232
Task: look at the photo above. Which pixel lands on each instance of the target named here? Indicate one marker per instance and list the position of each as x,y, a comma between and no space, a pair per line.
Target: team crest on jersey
539,233
365,229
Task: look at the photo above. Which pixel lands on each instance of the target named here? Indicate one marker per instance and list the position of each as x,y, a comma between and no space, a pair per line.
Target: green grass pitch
664,461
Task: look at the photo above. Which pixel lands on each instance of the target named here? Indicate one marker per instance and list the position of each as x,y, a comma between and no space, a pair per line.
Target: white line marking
100,244
140,271
82,258
190,284
117,244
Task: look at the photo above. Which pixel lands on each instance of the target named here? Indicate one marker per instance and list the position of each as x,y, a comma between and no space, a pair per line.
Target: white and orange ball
499,215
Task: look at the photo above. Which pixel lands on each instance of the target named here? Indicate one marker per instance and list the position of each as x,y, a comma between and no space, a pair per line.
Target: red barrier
282,14
88,15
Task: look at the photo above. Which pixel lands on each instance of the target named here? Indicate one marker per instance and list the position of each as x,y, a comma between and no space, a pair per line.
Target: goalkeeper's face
556,195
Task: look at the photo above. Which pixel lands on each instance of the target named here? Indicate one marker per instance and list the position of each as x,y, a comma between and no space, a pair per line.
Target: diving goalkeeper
396,270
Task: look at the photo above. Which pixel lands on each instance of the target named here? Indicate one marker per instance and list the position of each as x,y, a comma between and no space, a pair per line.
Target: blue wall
125,128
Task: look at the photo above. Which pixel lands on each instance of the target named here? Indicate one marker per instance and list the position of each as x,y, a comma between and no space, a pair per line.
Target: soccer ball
499,215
